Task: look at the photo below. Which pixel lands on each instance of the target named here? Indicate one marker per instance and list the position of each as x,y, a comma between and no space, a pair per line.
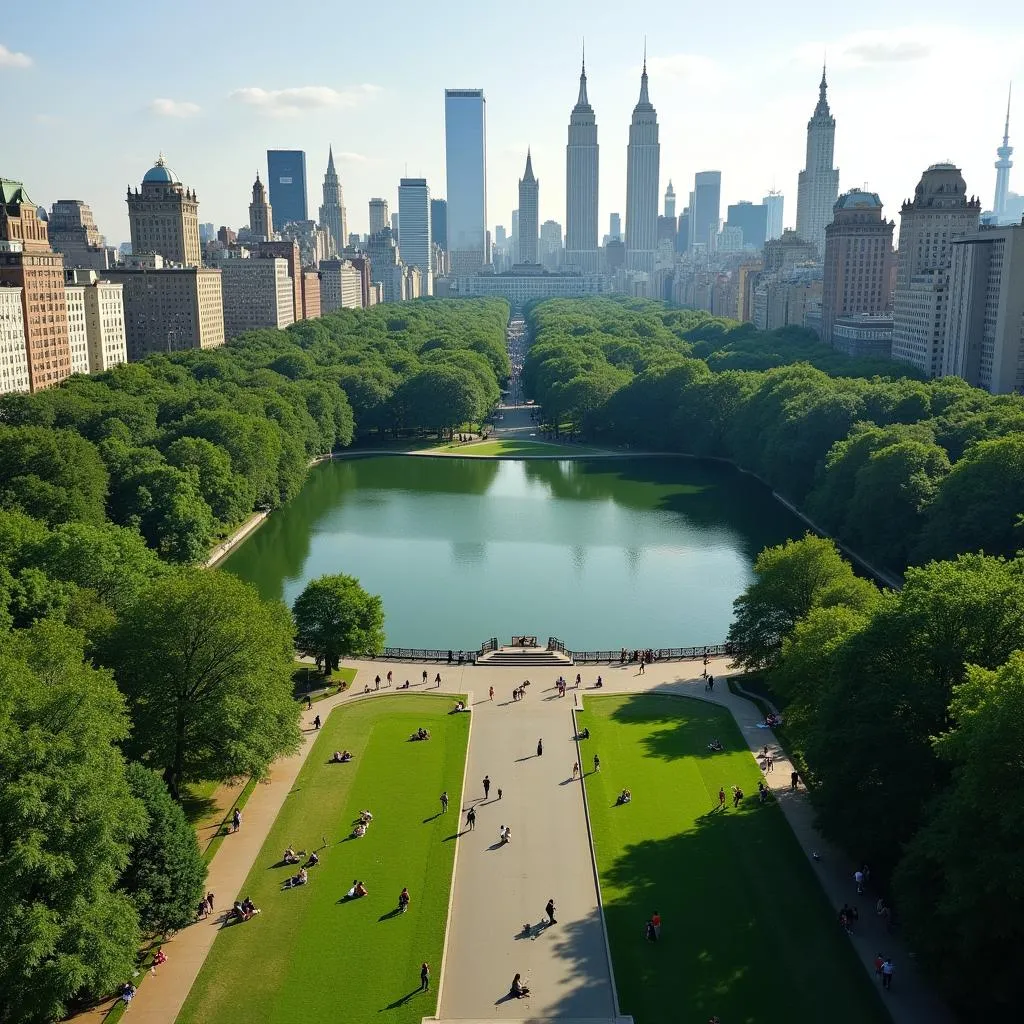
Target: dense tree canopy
335,618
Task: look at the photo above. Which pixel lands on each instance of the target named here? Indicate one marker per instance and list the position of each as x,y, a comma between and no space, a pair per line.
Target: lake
634,552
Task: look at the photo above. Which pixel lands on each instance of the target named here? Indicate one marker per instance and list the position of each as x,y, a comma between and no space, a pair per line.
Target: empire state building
643,159
581,185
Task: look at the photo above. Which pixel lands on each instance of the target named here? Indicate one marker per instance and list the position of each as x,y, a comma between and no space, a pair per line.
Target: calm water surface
603,554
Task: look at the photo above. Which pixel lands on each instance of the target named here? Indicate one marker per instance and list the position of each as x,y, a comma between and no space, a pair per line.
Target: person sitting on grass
290,856
127,992
249,908
459,706
357,890
624,797
716,746
359,831
300,879
585,735
365,817
313,860
518,989
341,757
404,899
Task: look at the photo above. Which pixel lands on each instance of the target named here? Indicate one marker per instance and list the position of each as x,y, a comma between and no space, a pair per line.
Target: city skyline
215,128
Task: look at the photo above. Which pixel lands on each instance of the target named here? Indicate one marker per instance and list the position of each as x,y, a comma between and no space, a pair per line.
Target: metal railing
660,654
423,654
554,644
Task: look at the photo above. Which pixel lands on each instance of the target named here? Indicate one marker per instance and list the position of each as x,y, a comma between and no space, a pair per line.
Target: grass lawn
521,448
748,934
309,956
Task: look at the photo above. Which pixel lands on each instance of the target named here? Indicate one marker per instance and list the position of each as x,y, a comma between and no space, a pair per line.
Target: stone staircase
525,657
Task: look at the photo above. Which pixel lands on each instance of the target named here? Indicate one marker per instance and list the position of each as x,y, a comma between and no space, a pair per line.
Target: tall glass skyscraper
705,210
286,175
439,222
465,137
414,217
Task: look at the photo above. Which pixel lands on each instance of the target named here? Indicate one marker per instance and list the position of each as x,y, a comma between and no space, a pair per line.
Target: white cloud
349,158
684,67
13,59
886,51
173,108
301,99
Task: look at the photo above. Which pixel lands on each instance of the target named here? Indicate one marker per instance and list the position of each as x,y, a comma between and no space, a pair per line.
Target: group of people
460,705
652,928
848,917
205,906
357,890
361,824
643,657
520,691
244,910
420,734
624,797
341,757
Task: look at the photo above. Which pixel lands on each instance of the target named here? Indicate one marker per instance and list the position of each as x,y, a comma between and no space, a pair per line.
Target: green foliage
166,873
206,667
336,618
67,818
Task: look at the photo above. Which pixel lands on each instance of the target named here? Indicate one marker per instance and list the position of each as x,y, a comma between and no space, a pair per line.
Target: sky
94,98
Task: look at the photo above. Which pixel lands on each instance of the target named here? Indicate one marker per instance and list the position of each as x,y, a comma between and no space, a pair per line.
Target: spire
582,101
528,174
1006,130
330,160
645,100
821,110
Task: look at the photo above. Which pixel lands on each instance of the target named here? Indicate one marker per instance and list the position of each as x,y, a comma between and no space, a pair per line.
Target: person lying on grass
341,757
624,797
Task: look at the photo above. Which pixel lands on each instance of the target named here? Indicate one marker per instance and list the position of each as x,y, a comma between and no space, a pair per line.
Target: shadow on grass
198,807
402,1000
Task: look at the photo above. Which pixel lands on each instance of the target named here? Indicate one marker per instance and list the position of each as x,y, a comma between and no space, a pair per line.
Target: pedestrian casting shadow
504,999
432,817
448,839
390,914
568,782
534,931
402,1000
497,846
529,757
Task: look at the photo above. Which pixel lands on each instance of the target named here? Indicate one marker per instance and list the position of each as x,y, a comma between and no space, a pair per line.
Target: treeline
182,448
907,709
901,469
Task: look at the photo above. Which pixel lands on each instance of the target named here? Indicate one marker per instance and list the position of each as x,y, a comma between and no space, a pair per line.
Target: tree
336,618
166,874
206,666
960,888
228,493
67,818
791,579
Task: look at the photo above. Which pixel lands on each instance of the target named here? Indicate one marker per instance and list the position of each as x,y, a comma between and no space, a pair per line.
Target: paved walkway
498,889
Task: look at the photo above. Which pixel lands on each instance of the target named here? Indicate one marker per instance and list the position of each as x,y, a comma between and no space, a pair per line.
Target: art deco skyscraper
670,200
581,184
261,217
380,218
332,213
529,214
818,184
1003,165
643,159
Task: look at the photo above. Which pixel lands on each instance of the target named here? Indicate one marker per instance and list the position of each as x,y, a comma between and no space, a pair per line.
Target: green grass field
519,448
310,957
747,933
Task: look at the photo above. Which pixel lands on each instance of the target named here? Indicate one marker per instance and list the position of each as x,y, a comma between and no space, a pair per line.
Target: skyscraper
439,222
529,214
706,208
773,205
858,243
550,247
414,216
261,217
581,184
818,183
379,216
939,213
73,232
670,200
643,160
751,219
164,217
615,227
332,213
1003,165
286,174
465,136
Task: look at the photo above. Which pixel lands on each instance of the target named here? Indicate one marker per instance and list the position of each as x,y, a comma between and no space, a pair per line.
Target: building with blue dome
164,217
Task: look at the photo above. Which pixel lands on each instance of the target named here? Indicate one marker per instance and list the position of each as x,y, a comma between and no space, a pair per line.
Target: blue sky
214,85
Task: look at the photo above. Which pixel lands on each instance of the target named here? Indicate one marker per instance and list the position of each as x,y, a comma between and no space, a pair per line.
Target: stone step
529,1020
524,656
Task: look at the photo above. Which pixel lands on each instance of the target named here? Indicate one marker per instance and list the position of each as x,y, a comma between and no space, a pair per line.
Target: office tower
332,212
168,309
667,228
257,293
705,208
288,250
28,263
73,232
529,215
1003,165
670,201
858,244
751,219
465,144
818,183
310,295
13,351
384,258
581,184
225,236
683,231
314,241
261,216
939,213
414,216
340,286
286,174
984,341
773,205
78,337
514,256
104,319
394,225
164,217
207,233
615,227
379,216
550,245
439,222
643,159
787,251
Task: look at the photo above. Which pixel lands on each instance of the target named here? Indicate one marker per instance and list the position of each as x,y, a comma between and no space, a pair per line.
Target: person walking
376,683
424,677
540,748
444,802
492,693
549,909
437,680
424,977
209,901
887,971
597,763
721,798
642,664
389,677
794,779
858,878
316,722
499,792
487,786
711,684
236,820
575,769
471,819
